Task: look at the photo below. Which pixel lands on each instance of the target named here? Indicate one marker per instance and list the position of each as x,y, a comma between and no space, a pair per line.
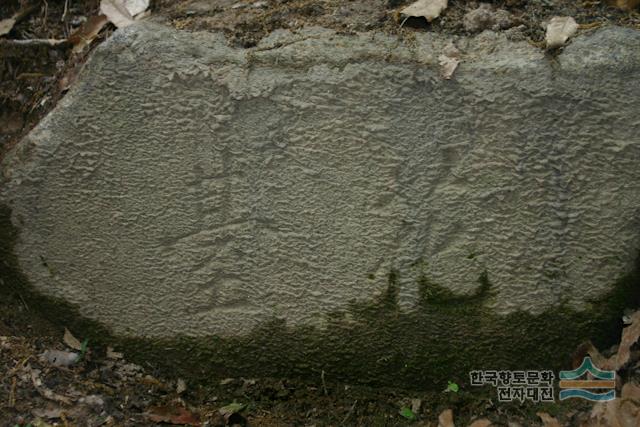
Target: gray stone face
185,187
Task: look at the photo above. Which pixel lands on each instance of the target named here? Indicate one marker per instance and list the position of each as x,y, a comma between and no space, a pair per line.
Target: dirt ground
102,388
246,22
39,387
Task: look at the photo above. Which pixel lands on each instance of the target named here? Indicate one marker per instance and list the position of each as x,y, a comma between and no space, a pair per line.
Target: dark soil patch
34,75
103,390
247,21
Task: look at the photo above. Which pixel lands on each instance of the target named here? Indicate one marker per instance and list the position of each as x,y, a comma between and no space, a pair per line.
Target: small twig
66,11
23,301
591,25
12,393
353,407
27,76
19,366
34,42
51,395
46,13
324,384
47,393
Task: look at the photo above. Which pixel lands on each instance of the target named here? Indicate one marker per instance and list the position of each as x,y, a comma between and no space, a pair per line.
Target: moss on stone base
374,343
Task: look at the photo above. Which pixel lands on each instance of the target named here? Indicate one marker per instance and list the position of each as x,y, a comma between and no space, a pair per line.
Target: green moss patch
372,343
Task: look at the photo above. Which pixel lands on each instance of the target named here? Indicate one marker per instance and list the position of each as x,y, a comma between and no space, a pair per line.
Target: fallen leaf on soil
548,420
93,401
71,341
625,411
181,386
171,415
407,413
49,413
60,358
6,25
416,404
117,12
87,32
449,60
559,29
45,392
587,349
136,7
446,419
122,12
481,423
231,409
631,391
630,336
40,423
429,9
621,412
452,387
597,415
111,354
625,4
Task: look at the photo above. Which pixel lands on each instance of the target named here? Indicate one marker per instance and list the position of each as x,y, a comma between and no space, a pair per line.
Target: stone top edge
610,46
596,54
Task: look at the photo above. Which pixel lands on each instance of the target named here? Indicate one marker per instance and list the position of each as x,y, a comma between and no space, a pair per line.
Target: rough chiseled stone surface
186,187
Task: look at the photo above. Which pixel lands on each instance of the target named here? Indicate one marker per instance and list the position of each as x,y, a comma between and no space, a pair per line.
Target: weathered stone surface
185,187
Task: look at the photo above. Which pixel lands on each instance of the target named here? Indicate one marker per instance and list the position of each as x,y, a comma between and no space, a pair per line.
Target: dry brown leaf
49,413
449,60
446,419
625,4
628,413
625,411
598,413
428,9
587,349
181,386
172,415
607,414
60,358
630,336
55,397
116,12
39,422
71,341
45,392
6,25
136,7
631,391
548,420
559,29
112,354
84,35
416,404
123,12
481,423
